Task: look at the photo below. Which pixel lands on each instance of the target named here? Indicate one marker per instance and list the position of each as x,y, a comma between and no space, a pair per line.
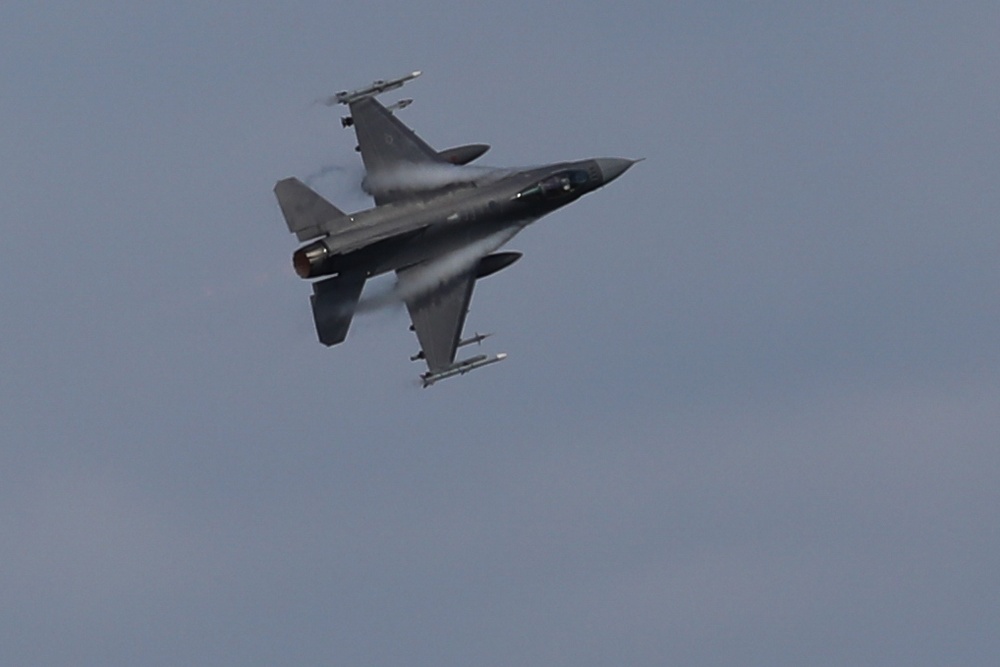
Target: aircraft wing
438,315
387,146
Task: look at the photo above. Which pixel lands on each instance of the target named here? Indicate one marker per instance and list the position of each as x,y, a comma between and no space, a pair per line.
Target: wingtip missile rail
461,368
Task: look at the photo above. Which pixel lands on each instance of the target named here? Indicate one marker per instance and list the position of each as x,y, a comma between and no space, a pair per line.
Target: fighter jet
436,223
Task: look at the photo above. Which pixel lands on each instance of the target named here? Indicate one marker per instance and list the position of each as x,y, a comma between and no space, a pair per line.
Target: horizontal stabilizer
307,214
334,301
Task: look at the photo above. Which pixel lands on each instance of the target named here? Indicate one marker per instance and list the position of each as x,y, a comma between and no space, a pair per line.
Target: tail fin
308,215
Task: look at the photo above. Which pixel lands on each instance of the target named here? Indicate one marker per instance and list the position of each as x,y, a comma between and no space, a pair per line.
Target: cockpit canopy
558,185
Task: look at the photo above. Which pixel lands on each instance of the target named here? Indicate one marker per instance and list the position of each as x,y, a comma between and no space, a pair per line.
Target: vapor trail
415,178
429,276
325,170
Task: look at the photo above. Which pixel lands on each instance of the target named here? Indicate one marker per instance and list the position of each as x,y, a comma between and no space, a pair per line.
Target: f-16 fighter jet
437,223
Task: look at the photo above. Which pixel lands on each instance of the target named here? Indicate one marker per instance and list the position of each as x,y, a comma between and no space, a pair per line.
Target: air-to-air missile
376,88
461,368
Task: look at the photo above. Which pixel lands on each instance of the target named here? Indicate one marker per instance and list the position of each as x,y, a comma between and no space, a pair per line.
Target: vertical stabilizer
307,214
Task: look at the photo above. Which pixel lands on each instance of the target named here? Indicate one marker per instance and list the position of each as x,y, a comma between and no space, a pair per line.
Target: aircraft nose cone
613,167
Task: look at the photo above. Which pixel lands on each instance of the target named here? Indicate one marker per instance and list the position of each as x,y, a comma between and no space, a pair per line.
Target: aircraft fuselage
403,234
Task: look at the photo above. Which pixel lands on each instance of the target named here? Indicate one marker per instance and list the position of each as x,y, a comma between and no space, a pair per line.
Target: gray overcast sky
752,410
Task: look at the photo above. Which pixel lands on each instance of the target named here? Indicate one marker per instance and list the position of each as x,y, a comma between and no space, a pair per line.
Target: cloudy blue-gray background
752,410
